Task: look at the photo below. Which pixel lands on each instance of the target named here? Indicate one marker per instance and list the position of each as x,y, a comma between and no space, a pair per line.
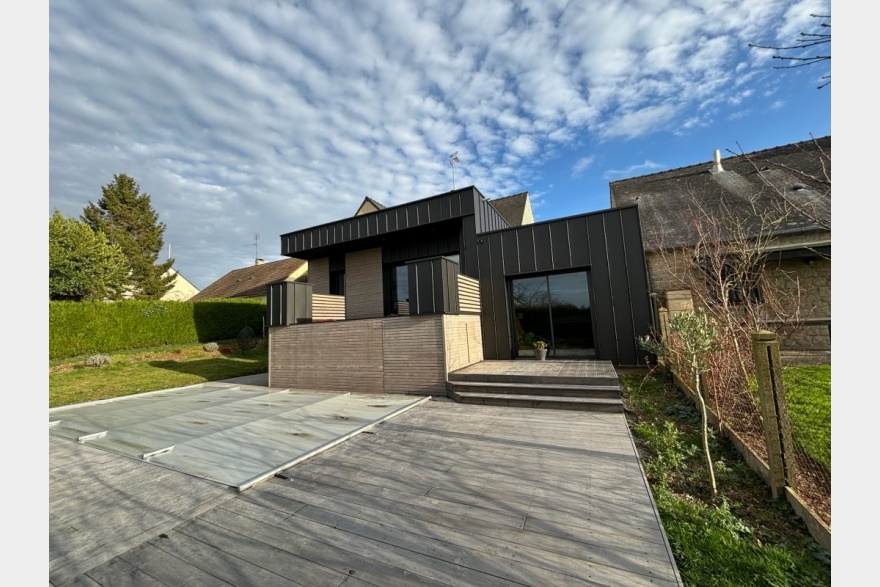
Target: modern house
774,203
398,297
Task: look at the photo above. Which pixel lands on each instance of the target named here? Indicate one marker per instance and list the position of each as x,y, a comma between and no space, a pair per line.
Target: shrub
246,339
76,328
211,347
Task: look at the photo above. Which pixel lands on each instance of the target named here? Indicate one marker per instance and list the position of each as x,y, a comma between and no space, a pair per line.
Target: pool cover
235,435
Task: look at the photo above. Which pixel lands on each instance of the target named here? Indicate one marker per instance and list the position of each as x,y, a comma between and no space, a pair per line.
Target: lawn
741,536
808,396
130,372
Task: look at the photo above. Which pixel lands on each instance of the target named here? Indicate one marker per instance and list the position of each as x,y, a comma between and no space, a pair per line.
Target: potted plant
540,347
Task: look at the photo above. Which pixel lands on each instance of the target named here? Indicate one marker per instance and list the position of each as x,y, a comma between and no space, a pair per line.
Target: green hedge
80,328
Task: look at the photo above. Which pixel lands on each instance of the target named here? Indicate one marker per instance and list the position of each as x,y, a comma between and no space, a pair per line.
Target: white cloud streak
272,116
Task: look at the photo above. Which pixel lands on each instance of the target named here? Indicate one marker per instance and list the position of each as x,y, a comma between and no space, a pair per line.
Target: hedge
80,328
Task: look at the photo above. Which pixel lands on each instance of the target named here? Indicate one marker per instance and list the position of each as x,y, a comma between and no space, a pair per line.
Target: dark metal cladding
607,245
288,303
432,284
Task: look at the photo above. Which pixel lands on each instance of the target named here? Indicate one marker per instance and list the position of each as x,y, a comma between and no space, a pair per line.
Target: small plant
211,347
539,344
97,360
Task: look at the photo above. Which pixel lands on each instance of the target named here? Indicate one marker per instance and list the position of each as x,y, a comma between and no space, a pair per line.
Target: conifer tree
127,218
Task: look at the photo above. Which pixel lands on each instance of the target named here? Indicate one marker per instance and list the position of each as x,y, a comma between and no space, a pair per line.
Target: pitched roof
748,186
251,281
516,209
369,205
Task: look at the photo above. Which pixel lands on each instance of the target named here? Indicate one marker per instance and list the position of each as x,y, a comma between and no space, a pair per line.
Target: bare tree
794,55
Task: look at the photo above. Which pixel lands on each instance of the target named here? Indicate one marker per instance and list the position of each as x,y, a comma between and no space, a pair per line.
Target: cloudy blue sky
244,118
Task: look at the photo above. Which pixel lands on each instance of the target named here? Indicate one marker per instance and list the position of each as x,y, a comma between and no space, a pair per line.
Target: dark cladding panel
499,297
620,289
412,215
432,286
487,318
526,246
603,307
578,242
467,200
469,245
288,303
559,243
543,252
445,207
434,207
510,252
361,230
381,222
424,212
642,314
455,205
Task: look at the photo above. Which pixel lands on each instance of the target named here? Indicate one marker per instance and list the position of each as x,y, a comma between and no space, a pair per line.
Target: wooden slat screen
468,295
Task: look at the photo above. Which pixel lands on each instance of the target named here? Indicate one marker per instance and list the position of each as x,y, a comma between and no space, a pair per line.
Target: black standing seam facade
606,244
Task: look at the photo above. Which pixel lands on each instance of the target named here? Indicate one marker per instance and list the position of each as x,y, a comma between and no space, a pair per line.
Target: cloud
632,171
582,165
272,116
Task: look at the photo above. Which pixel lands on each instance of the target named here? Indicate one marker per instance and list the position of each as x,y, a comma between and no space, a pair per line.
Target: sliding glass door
556,309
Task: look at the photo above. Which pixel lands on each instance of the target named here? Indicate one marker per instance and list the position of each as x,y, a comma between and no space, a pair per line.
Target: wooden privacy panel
468,295
463,340
413,355
332,356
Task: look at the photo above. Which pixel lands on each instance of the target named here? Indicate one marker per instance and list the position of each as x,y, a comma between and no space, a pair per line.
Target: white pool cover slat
232,435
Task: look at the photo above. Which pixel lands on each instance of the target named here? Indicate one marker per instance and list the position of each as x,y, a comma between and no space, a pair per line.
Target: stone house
774,203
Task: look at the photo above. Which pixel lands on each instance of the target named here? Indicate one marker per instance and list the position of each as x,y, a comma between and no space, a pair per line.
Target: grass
808,396
130,372
739,537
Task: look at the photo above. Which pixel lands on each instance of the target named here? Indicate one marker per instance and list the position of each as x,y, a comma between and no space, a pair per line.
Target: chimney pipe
716,166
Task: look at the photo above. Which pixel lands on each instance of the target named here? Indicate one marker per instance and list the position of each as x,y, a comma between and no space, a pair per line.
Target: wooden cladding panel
319,275
463,340
379,355
333,356
328,307
468,295
363,284
413,361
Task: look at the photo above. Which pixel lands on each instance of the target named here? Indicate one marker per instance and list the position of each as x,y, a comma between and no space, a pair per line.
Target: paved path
445,494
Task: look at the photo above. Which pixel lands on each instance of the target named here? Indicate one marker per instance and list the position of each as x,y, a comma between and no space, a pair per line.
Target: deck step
589,404
537,379
538,389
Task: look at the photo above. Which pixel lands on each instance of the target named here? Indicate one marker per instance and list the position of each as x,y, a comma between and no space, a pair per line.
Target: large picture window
556,309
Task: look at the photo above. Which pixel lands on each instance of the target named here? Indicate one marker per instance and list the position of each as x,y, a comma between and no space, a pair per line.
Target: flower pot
540,354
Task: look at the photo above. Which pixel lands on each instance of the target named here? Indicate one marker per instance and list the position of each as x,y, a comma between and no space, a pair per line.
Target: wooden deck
445,494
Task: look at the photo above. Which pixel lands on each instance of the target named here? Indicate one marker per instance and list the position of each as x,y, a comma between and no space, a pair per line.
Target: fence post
765,353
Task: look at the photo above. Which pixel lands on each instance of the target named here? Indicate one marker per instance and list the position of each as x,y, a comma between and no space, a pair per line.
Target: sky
246,120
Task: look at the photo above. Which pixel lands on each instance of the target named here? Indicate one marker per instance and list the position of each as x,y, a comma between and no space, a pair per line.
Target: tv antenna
256,246
453,159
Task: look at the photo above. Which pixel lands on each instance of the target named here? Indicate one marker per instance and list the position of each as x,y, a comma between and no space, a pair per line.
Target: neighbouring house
181,288
251,282
397,297
774,203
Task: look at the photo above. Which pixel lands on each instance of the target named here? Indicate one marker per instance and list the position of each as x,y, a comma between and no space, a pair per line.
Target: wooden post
765,353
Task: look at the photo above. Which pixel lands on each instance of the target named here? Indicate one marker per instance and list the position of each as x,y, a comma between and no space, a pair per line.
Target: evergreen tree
127,218
82,264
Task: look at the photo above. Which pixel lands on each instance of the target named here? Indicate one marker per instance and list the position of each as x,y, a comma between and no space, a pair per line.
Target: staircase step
538,401
551,389
532,379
